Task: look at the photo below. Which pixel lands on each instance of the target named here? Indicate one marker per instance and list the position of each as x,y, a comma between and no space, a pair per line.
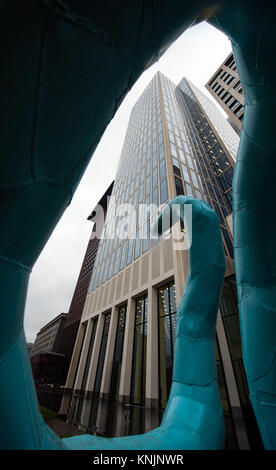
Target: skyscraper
177,142
225,87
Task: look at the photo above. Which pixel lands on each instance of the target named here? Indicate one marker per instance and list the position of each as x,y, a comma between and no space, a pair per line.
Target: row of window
226,133
166,337
167,323
218,165
143,182
90,259
232,103
128,251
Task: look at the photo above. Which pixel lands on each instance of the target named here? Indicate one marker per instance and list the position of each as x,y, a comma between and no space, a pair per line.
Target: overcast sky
195,55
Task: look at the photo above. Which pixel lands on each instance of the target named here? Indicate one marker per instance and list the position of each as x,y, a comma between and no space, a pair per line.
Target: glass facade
167,322
143,185
138,376
99,373
220,125
79,354
89,354
118,353
230,319
231,438
200,165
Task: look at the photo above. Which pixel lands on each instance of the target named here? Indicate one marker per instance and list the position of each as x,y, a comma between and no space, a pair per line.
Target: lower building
47,364
48,337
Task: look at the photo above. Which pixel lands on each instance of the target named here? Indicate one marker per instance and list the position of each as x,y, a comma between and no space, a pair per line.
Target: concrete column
108,362
72,370
102,416
85,414
83,356
232,387
152,395
181,268
229,220
125,381
121,419
95,355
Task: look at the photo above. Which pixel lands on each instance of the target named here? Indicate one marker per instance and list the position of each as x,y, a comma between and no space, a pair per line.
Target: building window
178,186
185,173
99,373
163,191
137,244
155,197
124,247
118,354
189,191
130,250
231,79
162,169
230,318
230,438
89,354
80,402
167,323
146,237
116,265
154,177
138,376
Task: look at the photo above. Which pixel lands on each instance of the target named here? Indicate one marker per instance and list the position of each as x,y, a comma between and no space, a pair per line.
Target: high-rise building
225,87
177,142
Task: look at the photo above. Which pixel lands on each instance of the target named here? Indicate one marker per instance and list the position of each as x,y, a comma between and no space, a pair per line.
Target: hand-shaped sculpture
193,417
66,66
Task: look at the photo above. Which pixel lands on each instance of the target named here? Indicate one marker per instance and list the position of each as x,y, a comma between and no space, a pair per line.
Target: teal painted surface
254,47
193,418
66,66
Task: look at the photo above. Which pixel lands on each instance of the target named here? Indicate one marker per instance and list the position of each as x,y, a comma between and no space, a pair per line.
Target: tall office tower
75,311
225,87
176,143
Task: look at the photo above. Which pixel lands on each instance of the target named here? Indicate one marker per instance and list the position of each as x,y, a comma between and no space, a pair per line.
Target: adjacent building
51,353
177,142
225,87
47,364
72,323
48,337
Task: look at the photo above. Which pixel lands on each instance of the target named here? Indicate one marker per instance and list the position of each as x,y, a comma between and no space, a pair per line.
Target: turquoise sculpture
66,67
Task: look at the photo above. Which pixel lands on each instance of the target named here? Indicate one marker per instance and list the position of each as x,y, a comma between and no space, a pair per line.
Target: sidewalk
62,429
